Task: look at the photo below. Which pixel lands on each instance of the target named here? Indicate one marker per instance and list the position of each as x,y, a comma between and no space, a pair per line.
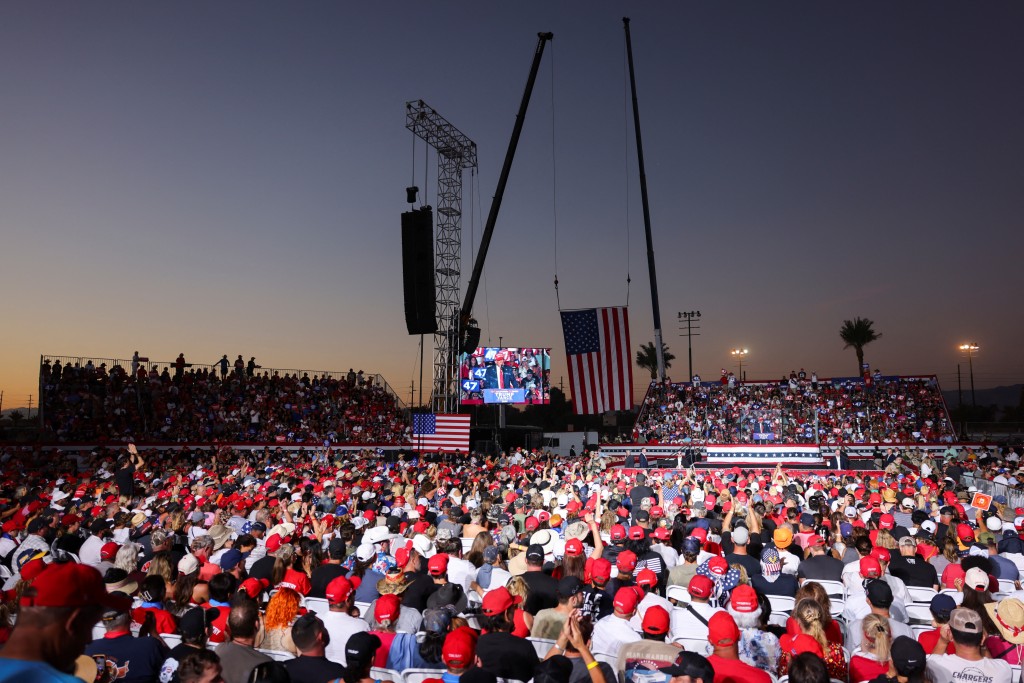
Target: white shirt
637,621
341,627
954,668
684,624
898,629
668,554
611,633
89,553
462,572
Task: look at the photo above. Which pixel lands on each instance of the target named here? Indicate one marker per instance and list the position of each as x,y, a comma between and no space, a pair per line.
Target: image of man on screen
500,375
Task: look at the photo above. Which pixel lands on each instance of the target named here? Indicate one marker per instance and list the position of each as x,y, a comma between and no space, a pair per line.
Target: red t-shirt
380,659
928,639
735,671
865,668
220,625
165,621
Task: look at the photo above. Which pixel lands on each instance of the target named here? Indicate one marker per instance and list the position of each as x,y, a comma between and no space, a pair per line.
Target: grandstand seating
888,410
93,401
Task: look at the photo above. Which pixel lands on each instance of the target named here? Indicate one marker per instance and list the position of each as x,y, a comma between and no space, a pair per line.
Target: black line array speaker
418,270
472,339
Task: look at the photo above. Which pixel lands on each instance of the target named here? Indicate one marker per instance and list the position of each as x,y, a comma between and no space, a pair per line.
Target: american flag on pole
597,351
432,432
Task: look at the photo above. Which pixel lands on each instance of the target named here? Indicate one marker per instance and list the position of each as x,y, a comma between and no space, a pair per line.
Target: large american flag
432,432
597,352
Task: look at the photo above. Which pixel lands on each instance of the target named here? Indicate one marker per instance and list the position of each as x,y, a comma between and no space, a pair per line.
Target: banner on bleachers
769,454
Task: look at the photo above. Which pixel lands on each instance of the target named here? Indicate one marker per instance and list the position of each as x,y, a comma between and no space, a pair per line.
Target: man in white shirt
337,622
691,620
89,553
660,545
878,600
966,633
614,631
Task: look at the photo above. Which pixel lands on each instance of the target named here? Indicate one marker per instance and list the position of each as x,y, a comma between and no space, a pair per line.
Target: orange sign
982,501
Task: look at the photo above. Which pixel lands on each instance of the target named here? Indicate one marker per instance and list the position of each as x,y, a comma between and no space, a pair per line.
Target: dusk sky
227,177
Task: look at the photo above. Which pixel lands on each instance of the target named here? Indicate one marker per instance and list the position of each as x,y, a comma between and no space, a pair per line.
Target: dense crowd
82,403
796,409
201,566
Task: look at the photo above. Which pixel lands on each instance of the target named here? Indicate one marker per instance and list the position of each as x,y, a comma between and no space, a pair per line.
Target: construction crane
455,154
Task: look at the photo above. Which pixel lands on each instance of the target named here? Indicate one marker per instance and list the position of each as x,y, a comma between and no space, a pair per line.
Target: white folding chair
781,603
419,675
541,645
678,593
390,674
919,614
918,629
1007,586
318,605
362,606
698,645
835,589
467,544
957,596
836,607
921,595
277,655
1015,675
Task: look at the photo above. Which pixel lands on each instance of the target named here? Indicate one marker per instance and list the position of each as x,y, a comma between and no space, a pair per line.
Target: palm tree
858,333
647,358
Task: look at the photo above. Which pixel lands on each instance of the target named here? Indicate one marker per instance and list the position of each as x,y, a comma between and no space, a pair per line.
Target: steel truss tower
455,153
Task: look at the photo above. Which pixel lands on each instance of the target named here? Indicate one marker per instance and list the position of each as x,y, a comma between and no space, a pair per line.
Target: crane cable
625,155
554,175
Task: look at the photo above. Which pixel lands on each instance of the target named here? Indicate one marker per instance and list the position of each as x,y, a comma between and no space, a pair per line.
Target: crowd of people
240,566
796,409
181,403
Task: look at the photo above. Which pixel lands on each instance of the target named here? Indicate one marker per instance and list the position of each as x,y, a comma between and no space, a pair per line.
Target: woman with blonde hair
886,540
872,657
522,622
282,611
814,591
481,541
810,619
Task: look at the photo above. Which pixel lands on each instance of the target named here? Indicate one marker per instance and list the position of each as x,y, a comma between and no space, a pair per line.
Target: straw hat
393,583
1008,615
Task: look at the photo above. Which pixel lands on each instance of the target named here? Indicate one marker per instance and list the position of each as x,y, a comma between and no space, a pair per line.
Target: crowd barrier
1014,497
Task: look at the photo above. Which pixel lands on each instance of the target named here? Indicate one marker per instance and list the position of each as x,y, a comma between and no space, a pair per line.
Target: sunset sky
227,177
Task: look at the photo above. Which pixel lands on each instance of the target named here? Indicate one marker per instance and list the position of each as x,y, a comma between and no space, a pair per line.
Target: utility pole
30,406
691,331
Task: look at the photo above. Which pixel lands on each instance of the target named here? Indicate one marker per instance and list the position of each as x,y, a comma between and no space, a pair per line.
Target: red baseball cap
718,566
253,586
573,547
438,565
387,607
722,629
870,568
880,554
459,649
700,533
656,620
636,533
69,584
531,523
662,534
625,600
887,521
626,562
701,586
804,643
618,532
646,577
744,599
498,600
965,533
601,570
109,550
338,590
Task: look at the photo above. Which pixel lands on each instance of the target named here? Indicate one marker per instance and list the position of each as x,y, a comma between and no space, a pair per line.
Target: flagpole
655,309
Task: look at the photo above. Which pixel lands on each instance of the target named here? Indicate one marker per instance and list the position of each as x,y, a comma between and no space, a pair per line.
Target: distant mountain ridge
1003,397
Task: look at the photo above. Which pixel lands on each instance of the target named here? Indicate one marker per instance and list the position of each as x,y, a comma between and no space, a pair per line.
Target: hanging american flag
432,432
597,352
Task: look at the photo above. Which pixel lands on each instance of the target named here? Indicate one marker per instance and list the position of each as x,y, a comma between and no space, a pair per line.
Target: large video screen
505,375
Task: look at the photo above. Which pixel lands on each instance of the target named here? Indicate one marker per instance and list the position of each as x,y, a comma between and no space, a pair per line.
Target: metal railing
374,379
1014,497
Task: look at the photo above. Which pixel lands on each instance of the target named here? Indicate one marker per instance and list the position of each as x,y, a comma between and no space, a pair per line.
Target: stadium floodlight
970,348
739,355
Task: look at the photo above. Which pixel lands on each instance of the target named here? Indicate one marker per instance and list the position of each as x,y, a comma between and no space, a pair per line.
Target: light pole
691,331
739,355
970,348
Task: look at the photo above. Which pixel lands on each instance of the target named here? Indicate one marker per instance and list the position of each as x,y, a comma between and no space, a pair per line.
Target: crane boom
492,216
